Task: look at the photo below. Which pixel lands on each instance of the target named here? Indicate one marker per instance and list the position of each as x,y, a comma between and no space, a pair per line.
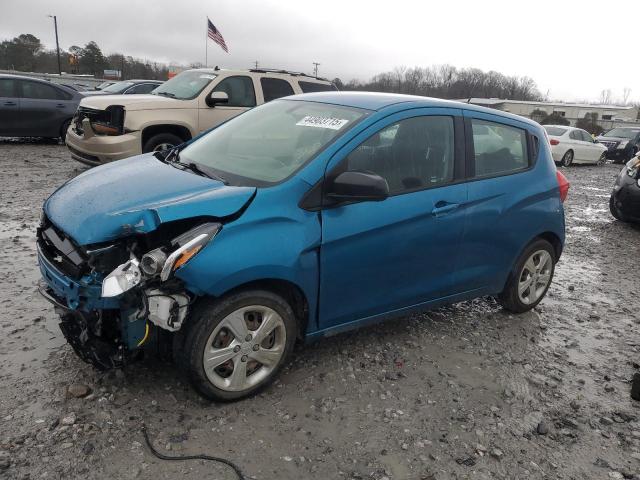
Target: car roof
268,72
378,101
138,80
25,77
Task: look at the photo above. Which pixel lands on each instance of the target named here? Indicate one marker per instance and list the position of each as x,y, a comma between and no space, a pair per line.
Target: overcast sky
573,49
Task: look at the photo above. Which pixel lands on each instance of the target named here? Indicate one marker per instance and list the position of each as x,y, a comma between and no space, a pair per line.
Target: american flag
216,36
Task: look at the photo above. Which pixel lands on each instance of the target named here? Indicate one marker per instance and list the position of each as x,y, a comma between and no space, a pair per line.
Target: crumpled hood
136,195
134,102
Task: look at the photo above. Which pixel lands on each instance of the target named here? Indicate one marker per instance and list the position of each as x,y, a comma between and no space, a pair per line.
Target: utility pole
256,62
315,69
55,26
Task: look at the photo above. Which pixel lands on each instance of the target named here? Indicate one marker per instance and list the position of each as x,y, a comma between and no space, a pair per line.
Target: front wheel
531,278
615,211
160,142
235,346
602,160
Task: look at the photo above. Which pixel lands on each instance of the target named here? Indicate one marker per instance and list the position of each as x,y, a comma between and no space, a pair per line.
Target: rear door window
273,88
7,87
41,91
309,87
498,149
239,89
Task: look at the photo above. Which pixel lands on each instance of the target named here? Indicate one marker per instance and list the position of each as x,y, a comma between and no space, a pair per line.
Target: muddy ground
467,391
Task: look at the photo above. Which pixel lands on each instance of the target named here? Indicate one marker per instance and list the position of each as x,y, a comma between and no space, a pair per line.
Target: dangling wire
161,456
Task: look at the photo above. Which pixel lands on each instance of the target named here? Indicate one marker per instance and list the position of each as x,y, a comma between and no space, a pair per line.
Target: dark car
30,107
625,198
622,143
128,87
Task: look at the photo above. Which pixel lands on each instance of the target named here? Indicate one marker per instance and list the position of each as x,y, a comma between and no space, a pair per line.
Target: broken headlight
160,261
123,278
633,166
188,245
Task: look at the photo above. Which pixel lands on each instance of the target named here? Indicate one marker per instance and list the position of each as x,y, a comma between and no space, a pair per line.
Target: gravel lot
466,391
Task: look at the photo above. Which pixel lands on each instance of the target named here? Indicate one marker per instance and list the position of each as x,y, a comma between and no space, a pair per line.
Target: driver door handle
442,208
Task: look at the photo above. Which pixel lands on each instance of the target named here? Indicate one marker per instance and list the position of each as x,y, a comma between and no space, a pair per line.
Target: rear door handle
10,104
60,105
442,208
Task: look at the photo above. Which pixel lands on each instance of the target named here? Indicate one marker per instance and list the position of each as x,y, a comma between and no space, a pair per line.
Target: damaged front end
89,121
111,296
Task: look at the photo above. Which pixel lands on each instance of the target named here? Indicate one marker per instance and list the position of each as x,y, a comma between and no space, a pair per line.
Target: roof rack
286,72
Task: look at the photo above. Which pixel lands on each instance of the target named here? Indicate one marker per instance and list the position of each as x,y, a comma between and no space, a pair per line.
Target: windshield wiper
204,171
166,94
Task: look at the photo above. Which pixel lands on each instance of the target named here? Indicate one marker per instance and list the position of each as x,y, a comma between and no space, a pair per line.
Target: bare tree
625,95
605,97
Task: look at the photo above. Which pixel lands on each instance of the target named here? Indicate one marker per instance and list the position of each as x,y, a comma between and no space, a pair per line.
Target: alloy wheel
567,159
244,348
535,277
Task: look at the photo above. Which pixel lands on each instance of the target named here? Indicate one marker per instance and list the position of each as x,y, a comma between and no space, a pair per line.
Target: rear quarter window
273,88
498,149
310,87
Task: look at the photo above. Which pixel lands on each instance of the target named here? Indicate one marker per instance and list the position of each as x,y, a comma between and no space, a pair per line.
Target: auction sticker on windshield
323,122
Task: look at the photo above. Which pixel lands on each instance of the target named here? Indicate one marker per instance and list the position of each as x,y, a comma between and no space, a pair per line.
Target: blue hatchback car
299,219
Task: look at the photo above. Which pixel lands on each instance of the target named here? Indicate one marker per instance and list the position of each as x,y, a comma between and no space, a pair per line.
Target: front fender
261,246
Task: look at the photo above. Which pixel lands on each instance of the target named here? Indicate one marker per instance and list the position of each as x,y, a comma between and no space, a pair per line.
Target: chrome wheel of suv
244,348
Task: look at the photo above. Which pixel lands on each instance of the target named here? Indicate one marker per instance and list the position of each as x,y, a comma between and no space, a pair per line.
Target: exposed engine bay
111,297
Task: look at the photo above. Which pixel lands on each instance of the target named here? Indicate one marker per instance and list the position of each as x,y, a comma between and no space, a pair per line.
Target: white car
574,145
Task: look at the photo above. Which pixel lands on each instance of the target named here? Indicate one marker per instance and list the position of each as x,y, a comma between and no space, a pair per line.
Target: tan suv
112,127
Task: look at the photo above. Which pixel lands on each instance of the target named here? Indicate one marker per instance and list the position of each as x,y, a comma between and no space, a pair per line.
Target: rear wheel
615,211
235,346
63,131
160,142
567,158
530,279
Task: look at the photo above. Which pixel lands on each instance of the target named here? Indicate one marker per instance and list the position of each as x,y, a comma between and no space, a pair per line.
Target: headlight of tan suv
110,122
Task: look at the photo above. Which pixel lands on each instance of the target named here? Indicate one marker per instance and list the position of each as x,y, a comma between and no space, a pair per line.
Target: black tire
63,131
160,139
205,317
615,211
567,158
509,297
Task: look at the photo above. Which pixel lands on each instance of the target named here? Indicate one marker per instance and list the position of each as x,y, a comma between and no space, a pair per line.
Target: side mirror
216,98
358,186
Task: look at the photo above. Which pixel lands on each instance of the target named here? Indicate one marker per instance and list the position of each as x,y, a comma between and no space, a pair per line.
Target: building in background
607,116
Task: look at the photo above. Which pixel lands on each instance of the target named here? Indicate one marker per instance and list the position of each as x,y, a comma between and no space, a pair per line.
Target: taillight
563,184
553,141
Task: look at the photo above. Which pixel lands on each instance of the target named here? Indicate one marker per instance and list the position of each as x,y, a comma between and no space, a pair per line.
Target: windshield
270,143
622,133
118,87
186,85
555,131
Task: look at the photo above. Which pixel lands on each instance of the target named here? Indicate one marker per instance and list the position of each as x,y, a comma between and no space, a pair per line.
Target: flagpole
206,46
